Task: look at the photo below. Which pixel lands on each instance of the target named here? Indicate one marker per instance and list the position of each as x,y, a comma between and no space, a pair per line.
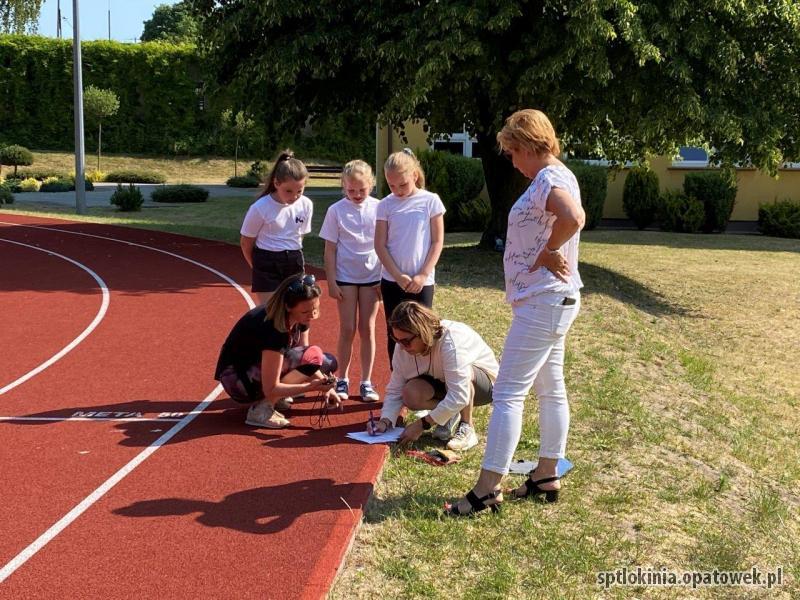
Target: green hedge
640,196
459,181
243,181
179,193
593,183
127,199
780,218
680,213
717,192
131,176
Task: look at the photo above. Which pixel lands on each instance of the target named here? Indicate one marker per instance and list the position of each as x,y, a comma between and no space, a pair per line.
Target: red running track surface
218,510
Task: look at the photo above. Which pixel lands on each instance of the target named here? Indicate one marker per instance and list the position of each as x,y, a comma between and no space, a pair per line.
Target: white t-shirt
408,236
351,227
278,226
529,228
451,360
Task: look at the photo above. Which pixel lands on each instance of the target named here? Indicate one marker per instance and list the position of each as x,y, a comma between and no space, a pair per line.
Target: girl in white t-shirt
354,272
274,226
409,234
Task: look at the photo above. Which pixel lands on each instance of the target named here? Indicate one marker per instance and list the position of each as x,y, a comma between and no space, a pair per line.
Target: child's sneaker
464,439
368,393
342,388
261,414
446,431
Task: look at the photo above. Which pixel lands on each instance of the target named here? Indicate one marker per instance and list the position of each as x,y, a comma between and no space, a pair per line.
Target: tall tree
171,23
620,79
19,16
99,104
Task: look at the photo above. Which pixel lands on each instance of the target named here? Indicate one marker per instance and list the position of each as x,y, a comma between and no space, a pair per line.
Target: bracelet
550,250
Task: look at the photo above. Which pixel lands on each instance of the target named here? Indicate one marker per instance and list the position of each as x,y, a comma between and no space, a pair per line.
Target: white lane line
87,502
64,419
66,349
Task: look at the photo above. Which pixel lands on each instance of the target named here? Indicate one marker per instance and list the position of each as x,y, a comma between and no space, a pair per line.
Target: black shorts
271,268
480,381
370,284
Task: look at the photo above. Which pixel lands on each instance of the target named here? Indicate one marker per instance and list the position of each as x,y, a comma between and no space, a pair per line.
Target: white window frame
466,140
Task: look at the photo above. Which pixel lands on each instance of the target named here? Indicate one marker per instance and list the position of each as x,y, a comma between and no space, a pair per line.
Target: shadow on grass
474,267
692,241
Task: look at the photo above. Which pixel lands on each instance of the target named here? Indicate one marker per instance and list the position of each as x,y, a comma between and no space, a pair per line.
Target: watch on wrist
425,423
550,250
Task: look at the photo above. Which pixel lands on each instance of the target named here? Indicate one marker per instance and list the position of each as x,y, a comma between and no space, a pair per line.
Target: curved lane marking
66,349
87,502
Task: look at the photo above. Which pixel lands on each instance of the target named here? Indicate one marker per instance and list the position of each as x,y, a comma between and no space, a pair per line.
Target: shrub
127,199
132,176
259,170
458,180
54,184
680,213
6,197
717,192
780,218
42,174
243,181
179,193
593,182
94,176
28,185
640,196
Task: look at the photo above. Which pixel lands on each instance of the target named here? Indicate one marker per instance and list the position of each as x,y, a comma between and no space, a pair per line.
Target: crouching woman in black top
262,361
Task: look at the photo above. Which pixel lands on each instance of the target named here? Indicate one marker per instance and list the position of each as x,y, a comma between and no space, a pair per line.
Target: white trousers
533,355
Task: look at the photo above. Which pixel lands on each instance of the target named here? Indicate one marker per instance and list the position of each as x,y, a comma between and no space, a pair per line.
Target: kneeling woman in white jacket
441,366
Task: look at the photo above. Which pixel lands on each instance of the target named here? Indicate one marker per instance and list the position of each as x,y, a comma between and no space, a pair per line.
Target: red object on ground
219,510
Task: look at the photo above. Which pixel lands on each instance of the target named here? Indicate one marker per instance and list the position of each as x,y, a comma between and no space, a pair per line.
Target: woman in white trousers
543,287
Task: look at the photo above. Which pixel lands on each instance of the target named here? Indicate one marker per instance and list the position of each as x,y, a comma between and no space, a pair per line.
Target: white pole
80,159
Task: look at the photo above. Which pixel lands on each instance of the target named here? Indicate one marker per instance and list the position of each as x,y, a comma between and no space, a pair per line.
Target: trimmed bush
259,170
15,156
717,192
458,180
593,183
6,197
28,185
54,184
42,174
179,193
132,176
640,196
127,199
780,218
243,181
680,213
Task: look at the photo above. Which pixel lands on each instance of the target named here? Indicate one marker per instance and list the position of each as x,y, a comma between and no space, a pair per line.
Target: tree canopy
619,79
171,23
19,16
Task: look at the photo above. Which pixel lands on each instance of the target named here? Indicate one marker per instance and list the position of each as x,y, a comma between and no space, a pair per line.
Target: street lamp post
80,159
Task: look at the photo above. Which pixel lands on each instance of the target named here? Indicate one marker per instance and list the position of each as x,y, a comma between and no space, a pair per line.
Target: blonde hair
286,167
420,320
358,168
403,162
284,299
529,129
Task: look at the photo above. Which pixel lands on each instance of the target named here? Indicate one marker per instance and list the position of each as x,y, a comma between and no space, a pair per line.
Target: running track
125,472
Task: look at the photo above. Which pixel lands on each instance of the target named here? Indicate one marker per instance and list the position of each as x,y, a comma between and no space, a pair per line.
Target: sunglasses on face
404,342
298,286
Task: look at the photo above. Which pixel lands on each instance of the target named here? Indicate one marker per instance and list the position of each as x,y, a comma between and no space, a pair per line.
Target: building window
458,143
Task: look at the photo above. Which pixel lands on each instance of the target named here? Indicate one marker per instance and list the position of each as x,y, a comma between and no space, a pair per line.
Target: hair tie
410,152
286,156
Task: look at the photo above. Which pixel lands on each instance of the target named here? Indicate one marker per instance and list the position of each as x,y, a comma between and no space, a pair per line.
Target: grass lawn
685,400
178,169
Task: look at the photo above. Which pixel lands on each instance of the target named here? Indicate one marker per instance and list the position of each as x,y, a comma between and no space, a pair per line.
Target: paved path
102,193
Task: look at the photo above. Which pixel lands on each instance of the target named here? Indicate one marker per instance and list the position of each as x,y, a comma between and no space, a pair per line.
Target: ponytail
286,167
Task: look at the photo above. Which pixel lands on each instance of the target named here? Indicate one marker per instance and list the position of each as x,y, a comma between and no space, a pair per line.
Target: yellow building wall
754,187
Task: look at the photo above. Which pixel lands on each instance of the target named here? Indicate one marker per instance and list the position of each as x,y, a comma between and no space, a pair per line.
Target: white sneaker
368,393
261,414
446,431
342,388
464,439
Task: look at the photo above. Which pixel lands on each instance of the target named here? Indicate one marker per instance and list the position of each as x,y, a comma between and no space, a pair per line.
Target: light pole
80,160
109,20
58,19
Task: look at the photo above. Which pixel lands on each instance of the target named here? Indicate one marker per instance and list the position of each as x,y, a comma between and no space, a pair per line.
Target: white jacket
450,360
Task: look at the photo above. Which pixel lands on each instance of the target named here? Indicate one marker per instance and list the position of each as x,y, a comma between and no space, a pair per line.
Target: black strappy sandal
476,504
532,489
